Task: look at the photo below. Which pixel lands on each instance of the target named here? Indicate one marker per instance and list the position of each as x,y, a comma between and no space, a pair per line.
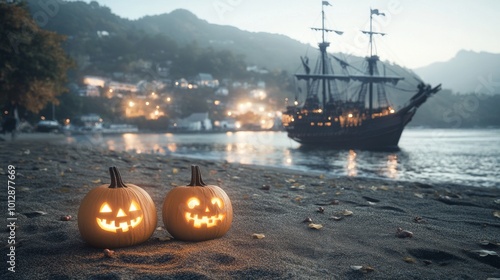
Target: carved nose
121,213
207,210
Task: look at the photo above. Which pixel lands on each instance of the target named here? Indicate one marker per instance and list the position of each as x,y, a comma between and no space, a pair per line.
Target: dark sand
449,223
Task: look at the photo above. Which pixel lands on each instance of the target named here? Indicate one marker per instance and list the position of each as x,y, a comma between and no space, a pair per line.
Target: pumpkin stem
116,178
196,179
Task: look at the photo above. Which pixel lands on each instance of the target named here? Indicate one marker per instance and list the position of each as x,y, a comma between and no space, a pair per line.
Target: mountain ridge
187,27
467,72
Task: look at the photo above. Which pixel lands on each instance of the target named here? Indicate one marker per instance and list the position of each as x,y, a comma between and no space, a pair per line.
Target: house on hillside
90,91
222,91
95,81
206,80
121,87
195,122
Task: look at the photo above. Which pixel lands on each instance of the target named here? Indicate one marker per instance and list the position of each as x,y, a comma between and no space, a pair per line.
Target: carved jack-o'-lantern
114,221
116,215
198,211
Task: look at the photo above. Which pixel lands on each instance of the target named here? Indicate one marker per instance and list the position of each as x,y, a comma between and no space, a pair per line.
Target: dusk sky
419,32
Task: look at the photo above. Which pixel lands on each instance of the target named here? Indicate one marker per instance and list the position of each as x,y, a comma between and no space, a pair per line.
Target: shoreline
358,239
72,140
99,144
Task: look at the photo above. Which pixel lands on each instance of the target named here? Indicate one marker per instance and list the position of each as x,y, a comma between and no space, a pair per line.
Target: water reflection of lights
172,147
111,144
287,158
392,166
351,164
132,142
244,146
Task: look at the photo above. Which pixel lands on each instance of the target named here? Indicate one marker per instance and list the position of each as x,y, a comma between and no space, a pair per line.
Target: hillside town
225,105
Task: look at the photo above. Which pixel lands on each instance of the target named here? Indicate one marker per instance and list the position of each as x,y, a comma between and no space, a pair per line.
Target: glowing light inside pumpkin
113,225
105,208
209,221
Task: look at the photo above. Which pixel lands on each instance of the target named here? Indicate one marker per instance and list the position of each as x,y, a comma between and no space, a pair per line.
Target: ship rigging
350,109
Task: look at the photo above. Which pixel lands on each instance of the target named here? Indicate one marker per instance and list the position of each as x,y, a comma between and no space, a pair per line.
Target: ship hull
380,133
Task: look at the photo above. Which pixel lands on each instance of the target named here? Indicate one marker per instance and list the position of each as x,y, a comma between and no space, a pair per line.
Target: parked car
48,126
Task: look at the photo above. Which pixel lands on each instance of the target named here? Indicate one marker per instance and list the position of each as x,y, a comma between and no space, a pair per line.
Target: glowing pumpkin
198,211
116,215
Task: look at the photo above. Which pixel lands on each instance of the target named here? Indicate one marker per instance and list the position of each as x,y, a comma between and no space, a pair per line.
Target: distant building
256,69
102,33
90,91
94,81
222,91
227,124
206,80
91,121
238,84
142,64
150,86
181,83
195,122
122,87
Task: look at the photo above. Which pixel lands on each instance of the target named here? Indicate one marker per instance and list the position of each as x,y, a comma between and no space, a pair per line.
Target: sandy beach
313,226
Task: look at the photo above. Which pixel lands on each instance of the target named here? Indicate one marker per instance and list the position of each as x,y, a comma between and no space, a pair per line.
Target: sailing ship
350,109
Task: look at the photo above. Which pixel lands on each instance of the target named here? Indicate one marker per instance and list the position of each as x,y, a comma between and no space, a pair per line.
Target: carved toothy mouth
210,221
124,226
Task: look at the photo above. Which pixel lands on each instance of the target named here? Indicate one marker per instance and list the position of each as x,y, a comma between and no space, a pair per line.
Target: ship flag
376,12
325,3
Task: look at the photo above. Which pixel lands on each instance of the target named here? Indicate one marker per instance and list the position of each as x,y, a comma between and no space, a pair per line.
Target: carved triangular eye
105,208
134,207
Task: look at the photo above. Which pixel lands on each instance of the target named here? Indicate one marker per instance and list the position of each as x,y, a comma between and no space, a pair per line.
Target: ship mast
372,60
323,45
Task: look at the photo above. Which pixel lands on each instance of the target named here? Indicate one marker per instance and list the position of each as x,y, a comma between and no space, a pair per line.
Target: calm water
469,157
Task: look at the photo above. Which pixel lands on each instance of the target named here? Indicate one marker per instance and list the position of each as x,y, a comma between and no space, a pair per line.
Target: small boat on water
349,108
118,128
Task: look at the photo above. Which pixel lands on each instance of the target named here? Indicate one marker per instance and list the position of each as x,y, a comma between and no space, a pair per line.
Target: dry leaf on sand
362,268
496,214
347,213
108,253
484,253
401,233
315,226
